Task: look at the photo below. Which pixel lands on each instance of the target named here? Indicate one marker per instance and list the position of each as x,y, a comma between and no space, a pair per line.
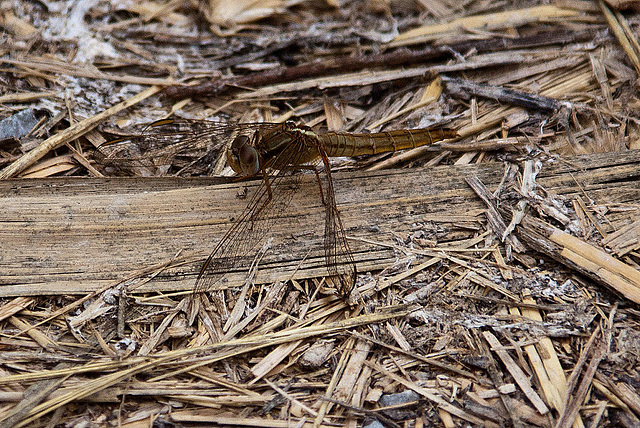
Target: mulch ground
513,304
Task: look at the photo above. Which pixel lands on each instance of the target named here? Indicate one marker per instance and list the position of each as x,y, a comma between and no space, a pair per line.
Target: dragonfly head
243,157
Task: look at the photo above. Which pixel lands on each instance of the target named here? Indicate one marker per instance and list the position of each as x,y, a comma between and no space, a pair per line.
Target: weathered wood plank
66,236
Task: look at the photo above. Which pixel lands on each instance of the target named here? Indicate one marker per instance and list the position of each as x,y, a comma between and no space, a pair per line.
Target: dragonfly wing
339,257
235,251
161,143
164,141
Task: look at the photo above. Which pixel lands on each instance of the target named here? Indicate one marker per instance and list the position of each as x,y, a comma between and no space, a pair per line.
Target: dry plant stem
400,57
431,395
625,36
244,345
624,393
290,398
624,240
43,340
495,219
358,354
546,364
94,293
25,97
497,378
235,347
81,71
518,374
71,133
466,89
33,396
577,368
373,413
507,18
331,388
581,256
570,413
85,390
14,306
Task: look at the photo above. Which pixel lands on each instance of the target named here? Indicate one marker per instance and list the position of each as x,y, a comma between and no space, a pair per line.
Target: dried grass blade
72,133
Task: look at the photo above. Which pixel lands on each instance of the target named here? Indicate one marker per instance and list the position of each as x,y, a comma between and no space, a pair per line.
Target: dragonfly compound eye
242,157
239,142
248,157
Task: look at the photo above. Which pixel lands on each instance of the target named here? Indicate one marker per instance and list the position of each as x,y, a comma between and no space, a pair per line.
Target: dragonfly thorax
243,157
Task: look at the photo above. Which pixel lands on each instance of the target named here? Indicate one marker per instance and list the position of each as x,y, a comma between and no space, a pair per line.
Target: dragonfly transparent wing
236,249
177,143
339,257
163,142
270,201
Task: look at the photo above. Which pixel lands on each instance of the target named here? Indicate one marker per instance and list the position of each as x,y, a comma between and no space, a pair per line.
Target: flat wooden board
66,236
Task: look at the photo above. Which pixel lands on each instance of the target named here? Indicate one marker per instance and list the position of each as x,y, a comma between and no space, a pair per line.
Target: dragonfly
277,153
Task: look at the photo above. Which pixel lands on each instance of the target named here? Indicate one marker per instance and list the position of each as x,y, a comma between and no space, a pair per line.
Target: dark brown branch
398,57
465,89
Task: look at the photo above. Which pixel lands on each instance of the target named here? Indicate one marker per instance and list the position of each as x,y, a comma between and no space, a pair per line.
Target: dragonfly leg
315,170
324,202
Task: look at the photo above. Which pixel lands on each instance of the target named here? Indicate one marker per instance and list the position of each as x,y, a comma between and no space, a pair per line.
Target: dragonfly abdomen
343,144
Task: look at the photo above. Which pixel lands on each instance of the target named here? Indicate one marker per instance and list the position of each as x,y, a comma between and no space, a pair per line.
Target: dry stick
508,18
154,269
14,306
25,97
518,374
64,68
157,335
577,369
235,347
546,364
84,390
430,395
71,133
427,360
496,377
325,406
575,399
625,36
401,57
241,346
571,403
571,411
624,393
352,373
581,256
107,365
40,338
466,89
377,413
292,399
495,219
33,396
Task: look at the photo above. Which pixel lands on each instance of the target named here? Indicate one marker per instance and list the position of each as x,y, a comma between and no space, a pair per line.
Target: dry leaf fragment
15,25
228,13
317,354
